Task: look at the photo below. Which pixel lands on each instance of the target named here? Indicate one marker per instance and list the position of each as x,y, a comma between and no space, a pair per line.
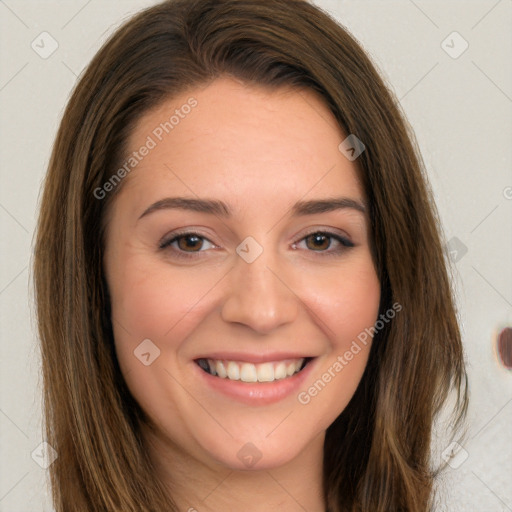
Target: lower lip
257,393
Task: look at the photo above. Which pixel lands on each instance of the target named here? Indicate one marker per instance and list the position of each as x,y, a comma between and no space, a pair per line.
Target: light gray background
460,110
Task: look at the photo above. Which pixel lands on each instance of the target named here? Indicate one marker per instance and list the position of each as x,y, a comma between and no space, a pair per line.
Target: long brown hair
377,453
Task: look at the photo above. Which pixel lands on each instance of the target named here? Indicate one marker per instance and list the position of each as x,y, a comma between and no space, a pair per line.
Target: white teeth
233,371
248,372
280,371
291,369
266,372
221,370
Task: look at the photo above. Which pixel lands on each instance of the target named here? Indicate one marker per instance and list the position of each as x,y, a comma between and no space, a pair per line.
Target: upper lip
253,358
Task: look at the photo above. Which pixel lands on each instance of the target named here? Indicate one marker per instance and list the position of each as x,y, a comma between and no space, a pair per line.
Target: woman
242,298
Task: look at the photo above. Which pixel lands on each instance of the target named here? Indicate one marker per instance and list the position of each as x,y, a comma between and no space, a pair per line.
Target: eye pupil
196,242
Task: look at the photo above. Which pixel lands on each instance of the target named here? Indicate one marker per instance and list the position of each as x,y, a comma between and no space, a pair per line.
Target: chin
255,449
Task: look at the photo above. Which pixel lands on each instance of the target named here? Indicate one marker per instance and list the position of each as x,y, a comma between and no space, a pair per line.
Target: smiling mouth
248,372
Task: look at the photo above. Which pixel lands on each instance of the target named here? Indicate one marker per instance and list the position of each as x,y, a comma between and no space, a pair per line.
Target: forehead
236,141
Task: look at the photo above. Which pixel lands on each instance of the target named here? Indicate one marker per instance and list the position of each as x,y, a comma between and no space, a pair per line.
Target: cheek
348,307
152,301
149,300
347,302
154,311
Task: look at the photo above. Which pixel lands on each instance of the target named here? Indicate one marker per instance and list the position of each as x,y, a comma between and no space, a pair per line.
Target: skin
259,151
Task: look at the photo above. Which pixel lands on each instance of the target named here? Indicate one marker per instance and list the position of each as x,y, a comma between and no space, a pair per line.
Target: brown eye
186,242
186,245
319,241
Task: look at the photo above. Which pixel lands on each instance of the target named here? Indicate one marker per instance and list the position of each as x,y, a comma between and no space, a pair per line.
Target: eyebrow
221,209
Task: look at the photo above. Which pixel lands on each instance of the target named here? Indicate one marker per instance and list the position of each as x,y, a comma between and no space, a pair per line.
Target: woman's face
225,254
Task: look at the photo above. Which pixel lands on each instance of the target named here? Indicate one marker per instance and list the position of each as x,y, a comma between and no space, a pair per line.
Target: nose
259,295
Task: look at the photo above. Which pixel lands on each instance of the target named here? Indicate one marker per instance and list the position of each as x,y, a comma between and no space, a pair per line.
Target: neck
203,486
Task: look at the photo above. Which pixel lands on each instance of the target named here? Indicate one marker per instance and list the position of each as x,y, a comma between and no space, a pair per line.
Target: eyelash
345,243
